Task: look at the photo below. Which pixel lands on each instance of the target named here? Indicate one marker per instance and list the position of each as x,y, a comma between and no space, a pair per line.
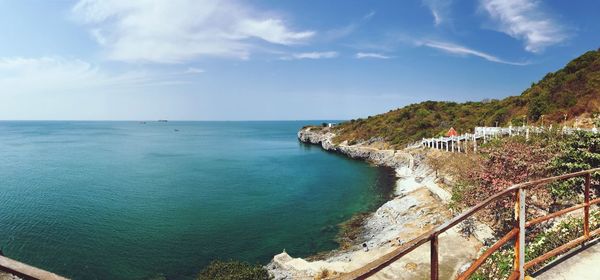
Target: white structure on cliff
464,142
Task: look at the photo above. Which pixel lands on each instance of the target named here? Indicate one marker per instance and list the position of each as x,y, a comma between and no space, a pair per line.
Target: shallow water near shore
126,200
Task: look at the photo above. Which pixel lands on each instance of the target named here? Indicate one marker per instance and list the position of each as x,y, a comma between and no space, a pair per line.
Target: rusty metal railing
518,232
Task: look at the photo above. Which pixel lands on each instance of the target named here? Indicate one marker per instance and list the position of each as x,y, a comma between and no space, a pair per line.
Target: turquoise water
124,200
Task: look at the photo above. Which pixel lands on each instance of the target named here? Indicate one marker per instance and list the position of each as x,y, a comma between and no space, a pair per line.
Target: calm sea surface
124,200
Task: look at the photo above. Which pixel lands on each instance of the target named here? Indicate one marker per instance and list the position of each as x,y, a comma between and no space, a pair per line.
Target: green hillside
573,91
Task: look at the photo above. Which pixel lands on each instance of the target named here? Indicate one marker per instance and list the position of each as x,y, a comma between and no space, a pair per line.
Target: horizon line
168,120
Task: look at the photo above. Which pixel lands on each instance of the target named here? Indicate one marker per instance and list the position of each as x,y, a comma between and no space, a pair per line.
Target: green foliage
580,151
498,266
500,263
596,118
459,190
574,91
538,107
233,270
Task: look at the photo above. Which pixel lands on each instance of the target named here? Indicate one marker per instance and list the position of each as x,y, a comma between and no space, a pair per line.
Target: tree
538,107
581,151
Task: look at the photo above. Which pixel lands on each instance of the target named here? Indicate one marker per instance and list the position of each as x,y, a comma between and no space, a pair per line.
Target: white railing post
522,220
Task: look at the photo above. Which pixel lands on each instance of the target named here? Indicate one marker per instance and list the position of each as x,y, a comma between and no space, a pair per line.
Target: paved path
584,264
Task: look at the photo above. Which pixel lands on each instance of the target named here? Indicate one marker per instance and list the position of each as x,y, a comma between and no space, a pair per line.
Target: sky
273,59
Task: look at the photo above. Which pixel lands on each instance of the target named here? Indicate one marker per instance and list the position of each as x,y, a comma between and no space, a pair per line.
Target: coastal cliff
418,205
365,151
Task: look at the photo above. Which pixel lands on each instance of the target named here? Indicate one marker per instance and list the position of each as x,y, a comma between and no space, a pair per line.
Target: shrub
500,263
509,162
233,270
504,163
580,151
538,107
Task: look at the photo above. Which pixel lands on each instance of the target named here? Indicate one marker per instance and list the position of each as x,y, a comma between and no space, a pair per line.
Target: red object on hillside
451,132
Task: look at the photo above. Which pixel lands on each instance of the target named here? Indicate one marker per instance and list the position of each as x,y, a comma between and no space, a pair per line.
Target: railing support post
586,208
519,264
434,258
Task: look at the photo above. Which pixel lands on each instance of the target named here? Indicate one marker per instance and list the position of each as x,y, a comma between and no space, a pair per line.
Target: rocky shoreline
404,162
418,205
324,138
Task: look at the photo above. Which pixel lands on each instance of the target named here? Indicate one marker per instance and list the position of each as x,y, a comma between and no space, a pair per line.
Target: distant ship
162,121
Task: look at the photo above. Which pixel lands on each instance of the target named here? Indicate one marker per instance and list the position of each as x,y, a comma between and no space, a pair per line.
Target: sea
161,200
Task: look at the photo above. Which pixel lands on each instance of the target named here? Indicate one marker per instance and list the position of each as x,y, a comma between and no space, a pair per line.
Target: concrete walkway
581,264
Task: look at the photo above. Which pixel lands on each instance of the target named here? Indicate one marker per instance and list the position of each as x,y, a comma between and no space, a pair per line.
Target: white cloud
193,70
57,74
439,10
179,30
371,55
437,19
311,55
464,51
525,20
341,32
369,15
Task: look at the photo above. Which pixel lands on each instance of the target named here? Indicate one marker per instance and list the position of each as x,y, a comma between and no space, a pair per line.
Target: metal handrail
519,231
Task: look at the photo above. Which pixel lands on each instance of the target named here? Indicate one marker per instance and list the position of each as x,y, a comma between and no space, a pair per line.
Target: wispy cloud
341,32
464,51
525,20
369,15
57,74
439,10
361,55
179,30
194,70
311,55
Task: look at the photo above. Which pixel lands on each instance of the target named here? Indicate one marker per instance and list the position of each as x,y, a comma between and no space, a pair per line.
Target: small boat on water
162,121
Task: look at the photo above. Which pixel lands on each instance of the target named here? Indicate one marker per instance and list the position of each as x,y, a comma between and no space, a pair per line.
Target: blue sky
271,59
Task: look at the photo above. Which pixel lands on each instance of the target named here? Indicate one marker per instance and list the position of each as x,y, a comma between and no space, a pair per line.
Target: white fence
464,142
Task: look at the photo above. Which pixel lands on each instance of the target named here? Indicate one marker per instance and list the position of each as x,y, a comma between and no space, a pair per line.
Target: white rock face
389,158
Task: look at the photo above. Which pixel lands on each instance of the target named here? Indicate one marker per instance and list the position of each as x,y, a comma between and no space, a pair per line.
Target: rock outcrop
364,151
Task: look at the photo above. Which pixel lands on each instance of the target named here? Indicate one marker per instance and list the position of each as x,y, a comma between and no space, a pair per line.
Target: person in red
451,132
